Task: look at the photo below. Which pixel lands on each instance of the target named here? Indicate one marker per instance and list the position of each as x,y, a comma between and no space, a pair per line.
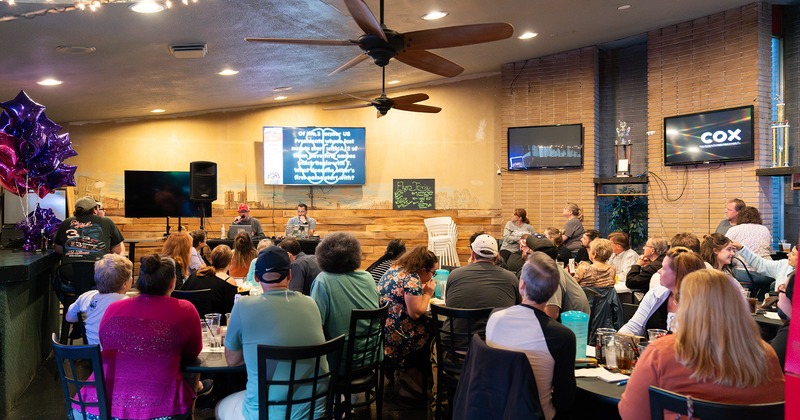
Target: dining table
596,398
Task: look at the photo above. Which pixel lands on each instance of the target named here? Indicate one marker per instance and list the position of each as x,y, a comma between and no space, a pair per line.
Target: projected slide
314,156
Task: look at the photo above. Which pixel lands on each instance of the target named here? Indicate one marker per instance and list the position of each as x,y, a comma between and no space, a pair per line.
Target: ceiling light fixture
624,6
55,7
148,6
228,72
528,35
158,111
392,82
49,82
282,89
437,14
75,50
280,98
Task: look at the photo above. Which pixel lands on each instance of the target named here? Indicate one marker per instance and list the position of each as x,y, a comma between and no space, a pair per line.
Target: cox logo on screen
721,136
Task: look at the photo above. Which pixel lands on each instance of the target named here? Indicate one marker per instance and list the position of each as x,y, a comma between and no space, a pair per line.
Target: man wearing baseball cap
245,219
87,236
277,317
482,284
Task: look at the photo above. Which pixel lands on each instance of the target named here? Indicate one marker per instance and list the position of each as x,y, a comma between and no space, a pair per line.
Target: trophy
780,137
622,150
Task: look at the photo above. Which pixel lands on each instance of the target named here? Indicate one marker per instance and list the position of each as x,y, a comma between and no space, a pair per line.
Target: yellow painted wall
458,147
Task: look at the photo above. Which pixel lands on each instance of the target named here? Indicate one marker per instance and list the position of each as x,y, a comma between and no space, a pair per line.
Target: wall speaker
203,184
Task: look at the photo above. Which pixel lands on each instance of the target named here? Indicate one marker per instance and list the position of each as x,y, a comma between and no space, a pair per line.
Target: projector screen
314,156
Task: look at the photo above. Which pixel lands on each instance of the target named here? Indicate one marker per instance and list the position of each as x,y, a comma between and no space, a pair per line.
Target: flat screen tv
14,206
545,147
725,135
161,194
314,156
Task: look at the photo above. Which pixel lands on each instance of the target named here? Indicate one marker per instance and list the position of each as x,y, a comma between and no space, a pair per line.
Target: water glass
654,333
602,336
227,318
212,323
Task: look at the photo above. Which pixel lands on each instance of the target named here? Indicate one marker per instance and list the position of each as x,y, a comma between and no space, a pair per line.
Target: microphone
237,220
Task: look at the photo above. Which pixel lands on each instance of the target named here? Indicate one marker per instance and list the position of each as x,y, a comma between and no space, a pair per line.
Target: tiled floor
43,400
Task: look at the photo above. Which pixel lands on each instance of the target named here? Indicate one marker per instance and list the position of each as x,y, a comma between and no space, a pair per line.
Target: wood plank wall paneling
373,228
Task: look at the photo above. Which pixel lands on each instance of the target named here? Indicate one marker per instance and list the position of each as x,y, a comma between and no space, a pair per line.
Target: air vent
189,50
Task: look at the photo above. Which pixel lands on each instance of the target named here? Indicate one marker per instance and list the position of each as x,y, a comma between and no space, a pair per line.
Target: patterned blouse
589,275
403,334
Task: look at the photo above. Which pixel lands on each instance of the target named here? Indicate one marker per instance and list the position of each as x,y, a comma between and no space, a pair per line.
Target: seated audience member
394,250
686,240
277,317
564,255
623,257
785,296
178,246
732,209
569,296
526,328
341,286
516,260
588,236
407,287
638,278
215,277
780,270
113,275
660,303
243,254
717,250
250,278
513,231
716,354
750,232
144,340
304,267
598,273
482,284
198,243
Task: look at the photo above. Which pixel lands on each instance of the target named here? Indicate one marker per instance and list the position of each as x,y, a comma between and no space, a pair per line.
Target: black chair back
363,368
628,311
594,300
67,358
661,399
72,280
452,340
307,381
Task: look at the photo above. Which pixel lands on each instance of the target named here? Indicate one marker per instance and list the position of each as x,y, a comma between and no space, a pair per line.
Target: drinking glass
602,335
625,356
212,323
227,318
654,333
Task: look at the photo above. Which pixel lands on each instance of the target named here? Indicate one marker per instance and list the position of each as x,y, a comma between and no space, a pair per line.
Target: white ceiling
133,72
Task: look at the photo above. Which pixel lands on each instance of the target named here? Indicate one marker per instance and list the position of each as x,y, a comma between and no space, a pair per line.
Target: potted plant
628,213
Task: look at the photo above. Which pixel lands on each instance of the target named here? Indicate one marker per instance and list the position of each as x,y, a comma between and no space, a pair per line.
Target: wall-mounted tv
724,135
545,147
314,156
161,194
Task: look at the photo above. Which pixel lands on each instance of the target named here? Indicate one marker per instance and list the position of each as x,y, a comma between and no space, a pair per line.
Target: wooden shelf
619,180
778,171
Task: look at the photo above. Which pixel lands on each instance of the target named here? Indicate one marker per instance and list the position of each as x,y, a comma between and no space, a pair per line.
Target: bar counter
28,317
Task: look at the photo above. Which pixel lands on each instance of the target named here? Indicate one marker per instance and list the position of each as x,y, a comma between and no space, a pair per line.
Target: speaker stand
167,234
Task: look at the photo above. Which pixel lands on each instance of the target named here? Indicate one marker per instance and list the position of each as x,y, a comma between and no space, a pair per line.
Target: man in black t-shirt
87,236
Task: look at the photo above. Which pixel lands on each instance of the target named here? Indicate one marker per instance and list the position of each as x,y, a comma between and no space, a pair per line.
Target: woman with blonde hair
598,273
554,234
243,254
178,246
222,287
717,353
573,229
660,303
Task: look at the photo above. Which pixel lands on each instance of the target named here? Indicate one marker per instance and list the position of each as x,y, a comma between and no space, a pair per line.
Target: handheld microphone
237,220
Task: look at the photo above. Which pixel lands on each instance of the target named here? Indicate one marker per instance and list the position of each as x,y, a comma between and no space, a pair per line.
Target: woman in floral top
407,287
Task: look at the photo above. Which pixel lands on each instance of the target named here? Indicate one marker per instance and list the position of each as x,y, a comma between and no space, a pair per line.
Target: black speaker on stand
202,185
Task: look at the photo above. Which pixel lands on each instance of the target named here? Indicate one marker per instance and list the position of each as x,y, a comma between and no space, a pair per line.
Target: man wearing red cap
245,219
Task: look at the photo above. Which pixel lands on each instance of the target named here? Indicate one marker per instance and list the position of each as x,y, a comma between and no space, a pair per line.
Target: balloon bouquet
31,160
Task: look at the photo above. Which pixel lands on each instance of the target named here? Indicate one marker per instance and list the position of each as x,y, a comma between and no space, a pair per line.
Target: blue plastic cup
578,322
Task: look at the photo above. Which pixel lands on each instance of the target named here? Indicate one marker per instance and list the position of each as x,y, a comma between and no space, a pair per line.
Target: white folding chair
442,238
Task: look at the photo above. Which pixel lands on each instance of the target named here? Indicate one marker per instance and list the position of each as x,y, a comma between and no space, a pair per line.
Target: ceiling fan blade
410,99
326,42
331,108
429,62
456,36
417,108
359,58
364,18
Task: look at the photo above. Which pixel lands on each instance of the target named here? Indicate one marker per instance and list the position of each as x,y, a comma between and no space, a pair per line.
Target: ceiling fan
382,44
384,103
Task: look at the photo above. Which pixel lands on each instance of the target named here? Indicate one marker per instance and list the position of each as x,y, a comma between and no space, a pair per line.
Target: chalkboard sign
414,194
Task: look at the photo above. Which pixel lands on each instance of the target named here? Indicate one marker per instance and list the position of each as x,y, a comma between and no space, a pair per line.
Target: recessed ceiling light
75,50
528,35
624,6
282,88
437,14
49,82
228,72
147,6
280,98
392,82
158,111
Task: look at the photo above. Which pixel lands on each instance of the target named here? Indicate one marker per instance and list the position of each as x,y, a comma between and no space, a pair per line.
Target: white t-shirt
92,305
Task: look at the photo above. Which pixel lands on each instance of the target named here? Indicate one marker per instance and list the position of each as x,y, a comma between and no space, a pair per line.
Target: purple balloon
22,108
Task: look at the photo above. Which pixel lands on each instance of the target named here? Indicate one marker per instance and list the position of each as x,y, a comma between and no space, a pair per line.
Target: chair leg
379,391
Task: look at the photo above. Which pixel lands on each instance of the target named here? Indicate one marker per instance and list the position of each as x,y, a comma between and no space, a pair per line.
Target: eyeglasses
101,209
